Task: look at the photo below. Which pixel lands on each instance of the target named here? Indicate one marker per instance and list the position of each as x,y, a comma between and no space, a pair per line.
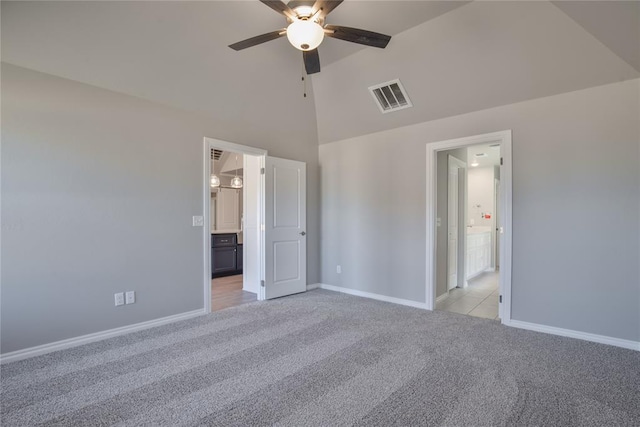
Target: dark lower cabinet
223,260
226,255
239,257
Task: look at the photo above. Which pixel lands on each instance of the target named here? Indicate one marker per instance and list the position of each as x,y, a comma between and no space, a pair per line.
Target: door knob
302,233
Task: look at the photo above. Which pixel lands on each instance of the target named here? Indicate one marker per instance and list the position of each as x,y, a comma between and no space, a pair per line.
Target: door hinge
501,161
500,298
261,171
262,284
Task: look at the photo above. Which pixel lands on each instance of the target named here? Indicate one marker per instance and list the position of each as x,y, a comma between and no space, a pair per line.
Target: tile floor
479,299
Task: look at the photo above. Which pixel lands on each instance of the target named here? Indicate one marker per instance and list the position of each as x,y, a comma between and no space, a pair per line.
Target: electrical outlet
130,297
198,221
339,269
119,297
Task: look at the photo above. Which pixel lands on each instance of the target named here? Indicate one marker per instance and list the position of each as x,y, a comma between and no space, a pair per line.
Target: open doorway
270,231
229,185
469,226
234,206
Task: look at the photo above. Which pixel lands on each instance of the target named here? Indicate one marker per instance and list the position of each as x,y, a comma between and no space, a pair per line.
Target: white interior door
285,227
496,221
452,224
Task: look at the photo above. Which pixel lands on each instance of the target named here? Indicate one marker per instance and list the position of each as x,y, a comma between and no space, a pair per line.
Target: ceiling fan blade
326,5
280,7
262,38
311,61
355,35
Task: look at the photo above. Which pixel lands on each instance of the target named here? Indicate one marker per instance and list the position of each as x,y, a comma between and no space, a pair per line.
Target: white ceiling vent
390,96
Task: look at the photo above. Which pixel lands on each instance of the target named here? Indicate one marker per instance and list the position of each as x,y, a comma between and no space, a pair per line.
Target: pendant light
236,182
214,180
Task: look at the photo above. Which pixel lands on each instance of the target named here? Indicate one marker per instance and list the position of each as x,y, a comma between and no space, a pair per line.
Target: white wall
480,192
98,190
575,158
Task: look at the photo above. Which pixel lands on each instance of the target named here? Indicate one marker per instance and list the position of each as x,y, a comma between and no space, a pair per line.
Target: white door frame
504,138
210,143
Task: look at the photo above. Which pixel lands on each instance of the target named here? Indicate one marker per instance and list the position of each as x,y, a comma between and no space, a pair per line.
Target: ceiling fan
306,29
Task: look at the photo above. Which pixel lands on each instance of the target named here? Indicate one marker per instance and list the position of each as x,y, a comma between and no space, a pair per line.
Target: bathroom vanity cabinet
478,252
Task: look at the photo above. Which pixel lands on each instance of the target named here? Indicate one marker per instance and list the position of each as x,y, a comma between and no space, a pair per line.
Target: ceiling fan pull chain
304,84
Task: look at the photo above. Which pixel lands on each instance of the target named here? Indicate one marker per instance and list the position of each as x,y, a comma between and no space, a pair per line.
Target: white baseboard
378,297
602,339
97,336
313,286
473,276
442,297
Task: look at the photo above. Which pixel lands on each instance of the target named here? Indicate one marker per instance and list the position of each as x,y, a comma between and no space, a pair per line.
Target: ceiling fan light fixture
305,34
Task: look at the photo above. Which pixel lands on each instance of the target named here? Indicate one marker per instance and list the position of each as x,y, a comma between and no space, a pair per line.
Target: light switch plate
130,297
198,221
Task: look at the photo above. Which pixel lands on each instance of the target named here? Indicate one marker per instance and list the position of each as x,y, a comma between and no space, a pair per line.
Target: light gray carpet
324,358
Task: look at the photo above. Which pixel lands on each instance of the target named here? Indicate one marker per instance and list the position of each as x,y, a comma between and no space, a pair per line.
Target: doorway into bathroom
467,218
235,203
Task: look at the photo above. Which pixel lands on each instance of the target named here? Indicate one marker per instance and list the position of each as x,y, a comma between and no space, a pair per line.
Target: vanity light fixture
236,181
475,163
214,181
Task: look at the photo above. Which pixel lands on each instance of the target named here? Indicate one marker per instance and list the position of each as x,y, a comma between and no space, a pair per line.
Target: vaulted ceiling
452,57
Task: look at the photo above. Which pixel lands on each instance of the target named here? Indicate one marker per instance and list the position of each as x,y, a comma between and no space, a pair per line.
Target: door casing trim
504,138
210,143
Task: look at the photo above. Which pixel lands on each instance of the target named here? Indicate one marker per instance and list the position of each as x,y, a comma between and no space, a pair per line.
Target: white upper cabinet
228,209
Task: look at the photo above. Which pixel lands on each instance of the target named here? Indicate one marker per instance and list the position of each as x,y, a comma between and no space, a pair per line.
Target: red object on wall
487,216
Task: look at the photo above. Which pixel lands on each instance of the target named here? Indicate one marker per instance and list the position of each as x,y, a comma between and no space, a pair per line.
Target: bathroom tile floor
479,299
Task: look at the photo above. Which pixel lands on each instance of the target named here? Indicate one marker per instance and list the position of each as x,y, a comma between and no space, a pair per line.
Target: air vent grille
390,96
215,154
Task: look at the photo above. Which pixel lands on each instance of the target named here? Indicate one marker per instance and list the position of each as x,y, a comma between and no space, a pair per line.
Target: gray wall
98,190
442,208
575,158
